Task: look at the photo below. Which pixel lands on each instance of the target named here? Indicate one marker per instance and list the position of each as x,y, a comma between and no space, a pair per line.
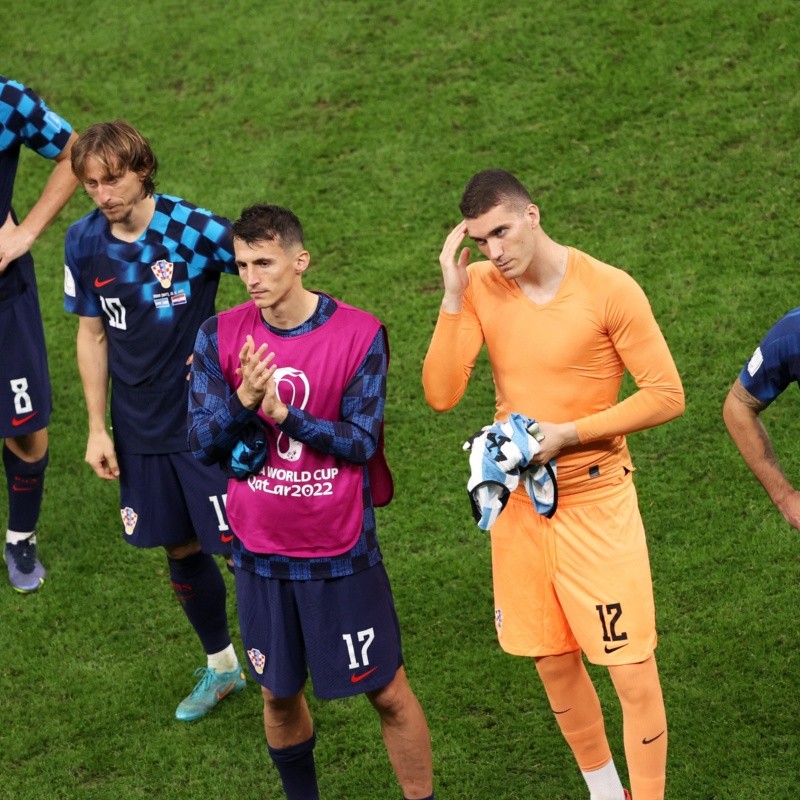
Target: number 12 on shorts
609,616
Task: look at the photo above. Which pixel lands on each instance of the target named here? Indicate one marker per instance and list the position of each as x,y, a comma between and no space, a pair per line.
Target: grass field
658,136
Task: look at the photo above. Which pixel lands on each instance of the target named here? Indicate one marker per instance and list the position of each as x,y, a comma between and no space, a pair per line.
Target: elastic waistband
581,498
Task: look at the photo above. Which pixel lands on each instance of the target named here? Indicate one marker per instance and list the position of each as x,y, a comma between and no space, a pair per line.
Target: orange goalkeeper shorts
578,580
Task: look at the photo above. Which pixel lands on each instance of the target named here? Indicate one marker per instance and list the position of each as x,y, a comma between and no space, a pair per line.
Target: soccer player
288,392
141,273
561,328
25,394
773,366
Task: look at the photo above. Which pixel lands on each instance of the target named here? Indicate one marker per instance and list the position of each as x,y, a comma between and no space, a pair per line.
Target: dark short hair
119,147
490,188
264,223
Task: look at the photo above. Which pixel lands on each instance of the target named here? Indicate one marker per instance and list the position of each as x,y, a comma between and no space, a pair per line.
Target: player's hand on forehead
453,241
454,267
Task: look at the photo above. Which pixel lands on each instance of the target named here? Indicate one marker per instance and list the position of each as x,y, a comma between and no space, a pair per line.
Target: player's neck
294,310
136,223
545,274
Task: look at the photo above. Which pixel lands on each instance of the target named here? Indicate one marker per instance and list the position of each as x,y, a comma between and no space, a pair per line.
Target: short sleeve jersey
776,361
26,120
152,294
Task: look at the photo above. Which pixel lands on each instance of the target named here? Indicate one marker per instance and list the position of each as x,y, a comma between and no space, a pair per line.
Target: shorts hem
620,661
356,689
26,430
536,652
212,551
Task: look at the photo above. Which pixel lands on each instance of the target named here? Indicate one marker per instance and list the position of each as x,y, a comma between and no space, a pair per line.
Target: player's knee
31,447
183,550
636,685
281,711
393,699
635,693
562,668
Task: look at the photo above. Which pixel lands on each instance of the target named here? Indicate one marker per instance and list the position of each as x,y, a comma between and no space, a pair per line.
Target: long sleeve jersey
562,361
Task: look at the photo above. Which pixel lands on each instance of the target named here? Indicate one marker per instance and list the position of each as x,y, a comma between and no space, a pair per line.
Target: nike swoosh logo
17,421
226,691
614,649
225,538
23,488
562,712
357,678
98,284
650,741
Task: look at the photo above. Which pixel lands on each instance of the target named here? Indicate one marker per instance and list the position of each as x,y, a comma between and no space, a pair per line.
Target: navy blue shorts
167,499
25,396
344,631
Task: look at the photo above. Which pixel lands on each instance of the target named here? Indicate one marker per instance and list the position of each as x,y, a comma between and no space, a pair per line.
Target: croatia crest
257,659
163,271
498,618
129,519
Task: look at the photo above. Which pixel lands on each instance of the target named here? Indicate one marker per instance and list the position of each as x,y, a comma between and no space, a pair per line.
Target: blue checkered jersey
26,120
152,295
218,422
776,361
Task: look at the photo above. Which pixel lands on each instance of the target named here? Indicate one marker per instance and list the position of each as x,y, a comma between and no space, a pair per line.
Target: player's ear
301,262
532,213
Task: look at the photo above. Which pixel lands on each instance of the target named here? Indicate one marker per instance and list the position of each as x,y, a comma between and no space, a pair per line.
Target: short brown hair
265,223
119,147
490,188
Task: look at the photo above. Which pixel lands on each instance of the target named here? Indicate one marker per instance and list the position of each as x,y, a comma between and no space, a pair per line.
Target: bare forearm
751,438
92,351
58,190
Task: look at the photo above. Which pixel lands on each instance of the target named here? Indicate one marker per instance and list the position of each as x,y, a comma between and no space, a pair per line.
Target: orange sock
645,727
576,708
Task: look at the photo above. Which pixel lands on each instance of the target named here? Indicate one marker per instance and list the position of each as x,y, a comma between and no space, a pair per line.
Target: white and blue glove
500,457
490,485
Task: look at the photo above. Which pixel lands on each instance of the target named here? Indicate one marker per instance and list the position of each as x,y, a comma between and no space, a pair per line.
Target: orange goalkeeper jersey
562,361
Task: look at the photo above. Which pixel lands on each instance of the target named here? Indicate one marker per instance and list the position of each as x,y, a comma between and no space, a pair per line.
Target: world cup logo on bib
292,387
163,271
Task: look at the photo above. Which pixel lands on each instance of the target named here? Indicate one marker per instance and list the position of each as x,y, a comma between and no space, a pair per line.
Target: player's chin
506,269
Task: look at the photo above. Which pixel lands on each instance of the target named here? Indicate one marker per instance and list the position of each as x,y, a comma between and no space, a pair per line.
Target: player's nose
495,250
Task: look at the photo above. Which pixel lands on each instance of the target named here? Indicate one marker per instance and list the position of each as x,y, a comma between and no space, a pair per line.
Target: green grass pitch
660,137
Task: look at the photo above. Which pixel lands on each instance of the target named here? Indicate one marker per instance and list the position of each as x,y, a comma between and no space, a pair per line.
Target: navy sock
296,767
25,489
429,797
199,587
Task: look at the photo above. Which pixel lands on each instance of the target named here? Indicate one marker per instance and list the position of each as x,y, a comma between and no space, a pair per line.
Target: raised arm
218,417
457,338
